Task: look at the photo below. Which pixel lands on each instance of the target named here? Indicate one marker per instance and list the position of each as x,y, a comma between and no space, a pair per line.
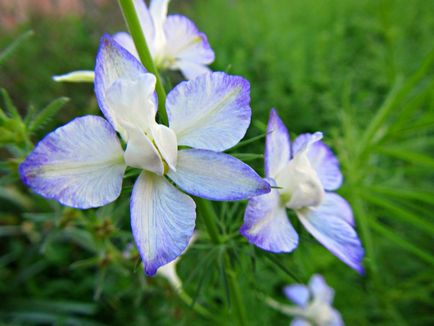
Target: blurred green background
360,71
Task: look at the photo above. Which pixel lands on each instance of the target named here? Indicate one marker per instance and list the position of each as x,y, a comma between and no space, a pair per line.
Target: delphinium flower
314,304
82,163
174,41
303,175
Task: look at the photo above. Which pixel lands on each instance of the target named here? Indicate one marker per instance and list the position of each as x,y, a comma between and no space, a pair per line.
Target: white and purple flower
174,41
303,175
314,304
82,163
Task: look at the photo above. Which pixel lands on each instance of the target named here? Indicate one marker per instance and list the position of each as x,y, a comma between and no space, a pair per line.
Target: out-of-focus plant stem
133,23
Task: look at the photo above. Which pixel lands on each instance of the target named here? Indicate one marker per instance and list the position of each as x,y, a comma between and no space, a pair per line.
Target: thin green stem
235,290
133,23
209,217
196,307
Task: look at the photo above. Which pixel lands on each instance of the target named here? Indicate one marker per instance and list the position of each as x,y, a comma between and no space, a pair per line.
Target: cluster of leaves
351,69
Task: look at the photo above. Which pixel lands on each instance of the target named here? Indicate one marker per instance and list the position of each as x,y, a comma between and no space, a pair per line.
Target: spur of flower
303,175
174,41
314,304
82,163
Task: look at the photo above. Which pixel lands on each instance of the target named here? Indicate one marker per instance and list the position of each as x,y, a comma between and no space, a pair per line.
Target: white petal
142,154
144,19
79,164
158,10
162,220
190,69
113,62
168,271
166,142
186,47
300,182
210,112
126,41
322,160
131,103
79,76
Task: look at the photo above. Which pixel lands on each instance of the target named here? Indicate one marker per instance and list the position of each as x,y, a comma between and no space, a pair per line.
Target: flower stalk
133,23
209,217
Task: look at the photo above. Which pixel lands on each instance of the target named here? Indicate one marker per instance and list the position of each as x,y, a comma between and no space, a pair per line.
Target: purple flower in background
304,173
314,304
82,163
174,41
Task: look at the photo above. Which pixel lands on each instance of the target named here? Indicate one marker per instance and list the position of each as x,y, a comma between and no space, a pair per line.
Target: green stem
209,217
235,290
196,307
133,23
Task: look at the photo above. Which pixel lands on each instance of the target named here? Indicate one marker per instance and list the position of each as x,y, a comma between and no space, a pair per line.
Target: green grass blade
401,242
47,113
11,48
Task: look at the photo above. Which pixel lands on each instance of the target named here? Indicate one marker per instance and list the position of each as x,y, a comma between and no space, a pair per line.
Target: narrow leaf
11,48
47,113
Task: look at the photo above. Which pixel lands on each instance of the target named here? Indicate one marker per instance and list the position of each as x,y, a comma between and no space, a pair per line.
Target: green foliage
361,71
4,54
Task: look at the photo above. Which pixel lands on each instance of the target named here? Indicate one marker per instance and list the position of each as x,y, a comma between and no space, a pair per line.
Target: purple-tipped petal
79,164
188,46
162,220
277,146
216,176
114,63
266,224
320,290
329,224
297,293
323,161
210,112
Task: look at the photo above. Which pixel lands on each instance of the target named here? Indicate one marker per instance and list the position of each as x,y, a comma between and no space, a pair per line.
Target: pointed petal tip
79,76
277,145
333,229
263,188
